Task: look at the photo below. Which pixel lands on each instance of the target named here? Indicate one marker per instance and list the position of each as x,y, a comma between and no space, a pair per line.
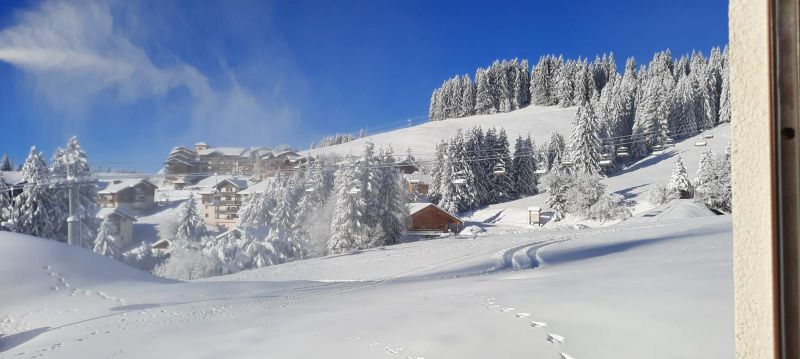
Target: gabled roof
259,187
418,178
103,213
11,177
238,183
226,151
416,207
112,187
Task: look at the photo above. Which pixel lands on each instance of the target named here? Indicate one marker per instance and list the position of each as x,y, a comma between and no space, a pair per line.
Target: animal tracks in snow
492,303
555,338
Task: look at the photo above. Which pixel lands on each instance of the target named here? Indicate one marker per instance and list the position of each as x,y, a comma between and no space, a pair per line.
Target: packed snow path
645,289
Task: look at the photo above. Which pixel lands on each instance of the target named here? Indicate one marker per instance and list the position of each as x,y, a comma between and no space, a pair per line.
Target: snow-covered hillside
640,290
633,181
538,121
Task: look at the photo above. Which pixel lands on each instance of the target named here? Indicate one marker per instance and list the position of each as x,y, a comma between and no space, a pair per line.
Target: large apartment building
184,165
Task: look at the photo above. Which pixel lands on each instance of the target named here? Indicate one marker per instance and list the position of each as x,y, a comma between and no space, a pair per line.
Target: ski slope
646,289
538,121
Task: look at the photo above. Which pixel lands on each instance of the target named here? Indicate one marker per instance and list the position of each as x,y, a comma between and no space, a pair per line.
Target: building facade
129,194
221,202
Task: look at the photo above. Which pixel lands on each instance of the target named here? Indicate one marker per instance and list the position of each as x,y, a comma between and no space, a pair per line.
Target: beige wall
750,96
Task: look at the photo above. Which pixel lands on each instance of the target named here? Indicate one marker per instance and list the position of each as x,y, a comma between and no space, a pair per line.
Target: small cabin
128,194
162,244
430,218
121,221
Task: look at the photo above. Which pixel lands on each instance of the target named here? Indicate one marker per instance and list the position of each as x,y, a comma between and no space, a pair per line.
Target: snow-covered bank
651,289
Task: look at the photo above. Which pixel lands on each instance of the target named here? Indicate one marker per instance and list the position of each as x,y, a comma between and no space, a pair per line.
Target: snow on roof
103,213
201,143
113,187
418,178
11,177
416,207
230,231
209,185
259,187
225,151
534,208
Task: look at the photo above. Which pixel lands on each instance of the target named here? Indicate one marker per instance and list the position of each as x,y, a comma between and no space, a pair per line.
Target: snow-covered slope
537,121
655,289
632,181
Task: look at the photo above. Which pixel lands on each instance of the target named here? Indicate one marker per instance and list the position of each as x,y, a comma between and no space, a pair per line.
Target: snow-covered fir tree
679,183
725,97
35,211
502,169
72,164
5,164
347,230
392,209
105,242
557,183
586,141
556,150
524,165
190,226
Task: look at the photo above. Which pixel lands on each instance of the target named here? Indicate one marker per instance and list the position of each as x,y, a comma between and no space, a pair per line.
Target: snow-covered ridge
538,121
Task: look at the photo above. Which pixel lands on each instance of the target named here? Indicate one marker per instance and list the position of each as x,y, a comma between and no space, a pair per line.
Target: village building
127,194
221,202
184,166
408,166
425,218
121,224
417,183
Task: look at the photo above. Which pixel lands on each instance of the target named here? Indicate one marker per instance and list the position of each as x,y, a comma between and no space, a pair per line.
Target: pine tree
502,182
393,211
585,141
484,96
35,210
725,97
705,176
686,98
105,243
475,149
5,164
190,226
467,98
524,164
679,182
73,162
556,150
565,84
347,230
557,183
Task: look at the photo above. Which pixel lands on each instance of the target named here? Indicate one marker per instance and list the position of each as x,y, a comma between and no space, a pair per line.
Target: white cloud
76,57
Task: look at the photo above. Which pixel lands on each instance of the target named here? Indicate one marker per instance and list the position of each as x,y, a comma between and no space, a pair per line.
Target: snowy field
538,121
656,286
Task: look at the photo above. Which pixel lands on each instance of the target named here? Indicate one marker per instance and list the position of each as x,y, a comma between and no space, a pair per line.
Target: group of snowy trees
666,100
337,139
477,168
502,87
356,204
582,193
712,183
640,108
40,206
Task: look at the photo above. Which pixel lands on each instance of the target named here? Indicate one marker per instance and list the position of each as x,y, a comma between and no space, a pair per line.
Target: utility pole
72,221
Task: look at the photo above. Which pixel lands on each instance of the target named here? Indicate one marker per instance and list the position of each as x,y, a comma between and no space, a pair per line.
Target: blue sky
134,79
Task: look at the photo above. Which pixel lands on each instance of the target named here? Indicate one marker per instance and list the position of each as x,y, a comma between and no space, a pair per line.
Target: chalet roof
416,207
201,143
11,177
236,182
226,151
103,213
418,178
161,243
259,187
114,187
